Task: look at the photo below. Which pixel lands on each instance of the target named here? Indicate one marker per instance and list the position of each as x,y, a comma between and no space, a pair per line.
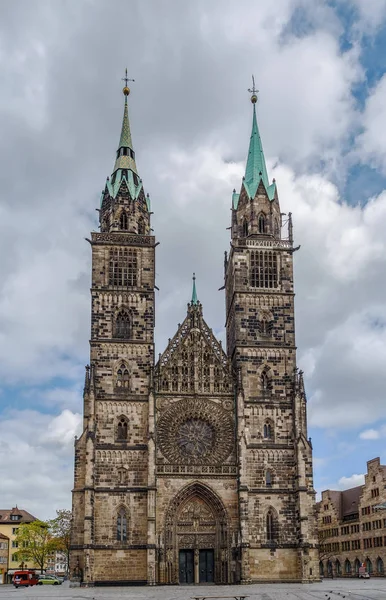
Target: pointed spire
125,153
256,168
194,292
125,140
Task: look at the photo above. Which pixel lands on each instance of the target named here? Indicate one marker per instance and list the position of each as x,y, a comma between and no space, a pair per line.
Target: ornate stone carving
194,431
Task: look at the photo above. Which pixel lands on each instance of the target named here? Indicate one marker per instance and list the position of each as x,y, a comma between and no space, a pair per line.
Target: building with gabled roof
196,467
352,526
10,520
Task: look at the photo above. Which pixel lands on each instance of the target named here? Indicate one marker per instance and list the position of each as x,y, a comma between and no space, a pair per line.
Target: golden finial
126,89
253,91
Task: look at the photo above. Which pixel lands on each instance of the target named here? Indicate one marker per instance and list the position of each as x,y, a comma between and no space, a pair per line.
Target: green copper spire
256,168
125,139
125,154
194,291
125,170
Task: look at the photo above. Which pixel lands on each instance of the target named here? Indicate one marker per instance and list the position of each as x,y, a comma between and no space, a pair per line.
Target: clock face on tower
195,431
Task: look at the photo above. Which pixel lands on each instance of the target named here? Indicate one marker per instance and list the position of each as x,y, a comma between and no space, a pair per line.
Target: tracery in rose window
195,438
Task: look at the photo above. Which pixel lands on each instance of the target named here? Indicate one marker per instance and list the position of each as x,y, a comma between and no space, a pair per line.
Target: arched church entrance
196,538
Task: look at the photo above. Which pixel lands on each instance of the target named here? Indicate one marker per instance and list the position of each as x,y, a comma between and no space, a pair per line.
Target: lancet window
265,327
122,430
123,220
122,526
265,382
245,228
123,267
263,269
271,526
141,226
122,325
268,478
123,377
262,223
268,431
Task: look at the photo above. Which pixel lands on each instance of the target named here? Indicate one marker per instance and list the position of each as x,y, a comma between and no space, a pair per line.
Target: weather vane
126,89
253,91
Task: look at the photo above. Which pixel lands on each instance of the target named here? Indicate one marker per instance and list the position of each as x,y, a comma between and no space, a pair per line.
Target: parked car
49,580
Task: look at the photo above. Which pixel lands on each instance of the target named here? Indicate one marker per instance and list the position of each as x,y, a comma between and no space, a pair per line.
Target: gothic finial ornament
253,91
126,89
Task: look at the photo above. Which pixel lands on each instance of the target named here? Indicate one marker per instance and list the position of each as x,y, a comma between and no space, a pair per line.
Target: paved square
337,589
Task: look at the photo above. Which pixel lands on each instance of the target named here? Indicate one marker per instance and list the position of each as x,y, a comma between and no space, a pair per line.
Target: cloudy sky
320,70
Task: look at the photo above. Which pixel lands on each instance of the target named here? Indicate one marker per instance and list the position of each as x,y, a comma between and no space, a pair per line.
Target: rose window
195,432
195,438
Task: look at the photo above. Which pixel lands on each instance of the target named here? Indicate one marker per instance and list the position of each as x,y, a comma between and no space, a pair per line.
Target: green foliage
35,542
61,531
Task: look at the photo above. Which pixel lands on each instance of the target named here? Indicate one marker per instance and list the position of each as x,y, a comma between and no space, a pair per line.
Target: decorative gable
194,360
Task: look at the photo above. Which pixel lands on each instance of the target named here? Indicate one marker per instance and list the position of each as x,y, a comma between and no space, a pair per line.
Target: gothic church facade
196,467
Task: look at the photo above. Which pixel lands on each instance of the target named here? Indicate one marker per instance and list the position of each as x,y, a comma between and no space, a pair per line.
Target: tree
61,531
328,549
35,542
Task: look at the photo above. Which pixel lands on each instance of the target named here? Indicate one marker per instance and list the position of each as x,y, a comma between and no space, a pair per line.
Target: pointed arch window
357,564
380,566
141,226
369,566
245,228
123,220
338,568
268,479
123,325
165,385
271,526
321,569
122,430
347,567
122,526
268,431
329,568
123,267
123,377
265,382
262,223
265,327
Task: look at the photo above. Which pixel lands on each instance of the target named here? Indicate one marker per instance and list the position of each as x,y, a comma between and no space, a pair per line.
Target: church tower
112,530
196,469
275,485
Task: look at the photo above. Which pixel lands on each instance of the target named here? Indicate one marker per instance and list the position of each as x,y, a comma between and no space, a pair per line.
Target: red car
24,578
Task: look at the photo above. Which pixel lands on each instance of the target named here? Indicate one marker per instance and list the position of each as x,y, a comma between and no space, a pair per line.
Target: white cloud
354,480
371,147
60,116
62,429
36,460
369,434
372,14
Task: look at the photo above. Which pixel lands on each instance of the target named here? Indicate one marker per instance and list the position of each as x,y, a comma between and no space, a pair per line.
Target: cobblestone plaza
336,589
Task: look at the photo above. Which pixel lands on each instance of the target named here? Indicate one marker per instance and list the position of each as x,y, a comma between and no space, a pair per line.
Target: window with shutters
263,269
123,267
